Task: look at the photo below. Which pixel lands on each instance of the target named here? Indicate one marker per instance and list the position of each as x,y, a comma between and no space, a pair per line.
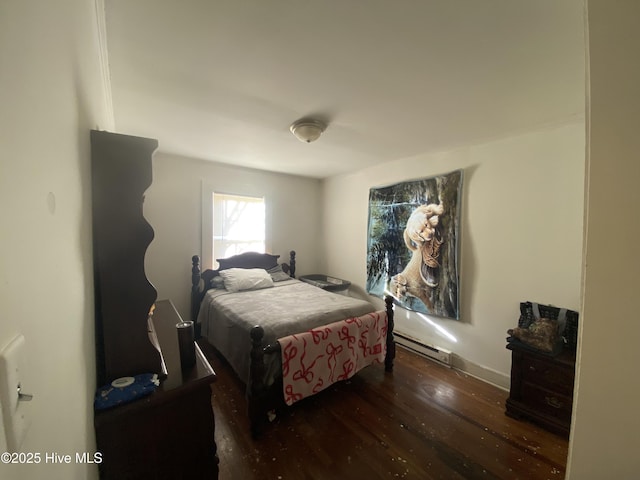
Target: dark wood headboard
249,260
242,260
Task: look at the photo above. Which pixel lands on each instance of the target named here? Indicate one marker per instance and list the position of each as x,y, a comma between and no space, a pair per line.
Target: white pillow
237,279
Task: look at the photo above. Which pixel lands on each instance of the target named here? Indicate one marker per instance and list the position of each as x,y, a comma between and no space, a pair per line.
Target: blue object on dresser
125,390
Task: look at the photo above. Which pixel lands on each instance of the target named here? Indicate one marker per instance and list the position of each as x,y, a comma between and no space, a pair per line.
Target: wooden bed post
255,385
391,344
195,291
292,264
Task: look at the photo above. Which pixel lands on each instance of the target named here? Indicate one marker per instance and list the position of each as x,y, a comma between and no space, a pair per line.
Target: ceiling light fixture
307,130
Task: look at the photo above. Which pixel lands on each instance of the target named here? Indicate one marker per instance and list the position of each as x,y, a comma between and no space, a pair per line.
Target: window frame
208,189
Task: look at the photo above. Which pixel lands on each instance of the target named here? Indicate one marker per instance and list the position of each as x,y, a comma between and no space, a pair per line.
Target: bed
255,325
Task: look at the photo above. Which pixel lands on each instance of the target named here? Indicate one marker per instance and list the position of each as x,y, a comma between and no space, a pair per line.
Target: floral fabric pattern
320,357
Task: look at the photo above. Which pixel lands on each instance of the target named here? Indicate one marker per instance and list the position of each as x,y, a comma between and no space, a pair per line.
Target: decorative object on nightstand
331,284
543,371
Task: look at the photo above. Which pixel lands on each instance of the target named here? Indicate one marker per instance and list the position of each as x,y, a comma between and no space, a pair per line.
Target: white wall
606,423
173,206
521,239
53,93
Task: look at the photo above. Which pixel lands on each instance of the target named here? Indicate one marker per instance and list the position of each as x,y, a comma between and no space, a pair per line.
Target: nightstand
542,387
332,284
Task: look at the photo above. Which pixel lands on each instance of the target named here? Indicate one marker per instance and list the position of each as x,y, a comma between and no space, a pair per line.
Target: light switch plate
16,415
3,437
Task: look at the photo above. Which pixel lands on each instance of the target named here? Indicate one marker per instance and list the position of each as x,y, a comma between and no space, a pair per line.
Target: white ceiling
222,80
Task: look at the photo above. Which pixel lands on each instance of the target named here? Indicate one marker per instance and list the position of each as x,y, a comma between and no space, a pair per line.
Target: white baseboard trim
486,374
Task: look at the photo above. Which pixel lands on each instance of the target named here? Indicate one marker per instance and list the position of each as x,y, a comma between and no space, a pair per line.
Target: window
238,225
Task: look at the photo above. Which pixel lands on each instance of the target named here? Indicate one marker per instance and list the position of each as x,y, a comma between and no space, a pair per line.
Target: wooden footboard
262,399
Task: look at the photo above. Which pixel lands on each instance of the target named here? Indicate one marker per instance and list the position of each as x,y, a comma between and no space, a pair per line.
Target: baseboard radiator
438,354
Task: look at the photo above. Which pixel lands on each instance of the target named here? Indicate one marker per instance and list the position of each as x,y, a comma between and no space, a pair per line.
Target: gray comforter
289,307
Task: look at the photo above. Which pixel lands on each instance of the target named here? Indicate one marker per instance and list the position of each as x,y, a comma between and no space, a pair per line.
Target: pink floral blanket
316,359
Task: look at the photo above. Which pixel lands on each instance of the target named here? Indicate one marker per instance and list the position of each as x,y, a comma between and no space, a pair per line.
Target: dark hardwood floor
423,421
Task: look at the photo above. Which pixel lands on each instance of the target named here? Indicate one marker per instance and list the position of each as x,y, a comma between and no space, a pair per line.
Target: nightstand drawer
551,376
547,402
542,387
